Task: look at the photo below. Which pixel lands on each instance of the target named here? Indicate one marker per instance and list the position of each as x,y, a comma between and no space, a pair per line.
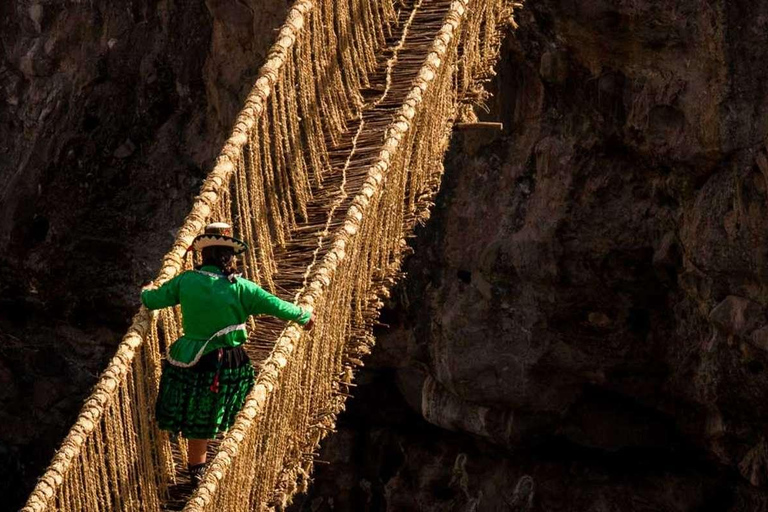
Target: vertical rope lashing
313,128
301,186
67,456
258,195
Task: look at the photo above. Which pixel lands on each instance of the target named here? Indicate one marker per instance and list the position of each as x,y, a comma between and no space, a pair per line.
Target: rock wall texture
583,326
110,116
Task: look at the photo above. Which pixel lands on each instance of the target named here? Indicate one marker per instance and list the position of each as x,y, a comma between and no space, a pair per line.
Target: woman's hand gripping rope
310,323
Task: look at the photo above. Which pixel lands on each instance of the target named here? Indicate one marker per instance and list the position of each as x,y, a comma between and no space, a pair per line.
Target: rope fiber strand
333,160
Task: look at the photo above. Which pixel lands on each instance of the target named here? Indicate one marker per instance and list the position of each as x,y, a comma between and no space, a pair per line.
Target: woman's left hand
310,323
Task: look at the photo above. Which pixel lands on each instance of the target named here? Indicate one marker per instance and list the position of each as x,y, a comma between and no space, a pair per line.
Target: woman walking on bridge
207,374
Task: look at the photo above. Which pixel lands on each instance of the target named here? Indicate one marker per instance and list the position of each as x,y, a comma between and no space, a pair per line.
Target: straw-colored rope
332,161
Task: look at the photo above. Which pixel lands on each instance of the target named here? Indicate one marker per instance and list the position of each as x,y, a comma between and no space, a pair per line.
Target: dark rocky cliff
583,324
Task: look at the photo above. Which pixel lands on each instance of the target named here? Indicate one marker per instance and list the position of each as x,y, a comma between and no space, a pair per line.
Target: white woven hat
218,234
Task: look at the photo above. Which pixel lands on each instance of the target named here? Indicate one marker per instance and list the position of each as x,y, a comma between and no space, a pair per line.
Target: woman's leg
196,451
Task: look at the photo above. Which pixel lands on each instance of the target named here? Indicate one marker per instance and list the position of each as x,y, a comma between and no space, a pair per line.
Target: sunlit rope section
268,455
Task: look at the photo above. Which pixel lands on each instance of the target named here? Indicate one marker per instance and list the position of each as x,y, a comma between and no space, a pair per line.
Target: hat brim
203,241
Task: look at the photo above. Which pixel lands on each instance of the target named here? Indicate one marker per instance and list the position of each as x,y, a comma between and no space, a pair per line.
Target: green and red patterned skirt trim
203,400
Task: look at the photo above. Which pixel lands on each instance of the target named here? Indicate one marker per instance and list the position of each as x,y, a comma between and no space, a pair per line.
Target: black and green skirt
201,401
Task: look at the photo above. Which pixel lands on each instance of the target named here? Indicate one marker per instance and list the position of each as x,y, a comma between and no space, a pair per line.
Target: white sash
226,330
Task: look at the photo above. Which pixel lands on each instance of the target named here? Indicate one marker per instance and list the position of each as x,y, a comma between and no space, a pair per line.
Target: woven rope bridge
332,162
